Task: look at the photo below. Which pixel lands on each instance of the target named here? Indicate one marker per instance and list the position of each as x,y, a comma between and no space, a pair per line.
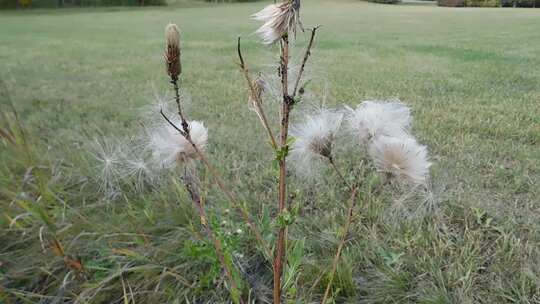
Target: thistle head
322,145
172,51
314,139
169,146
379,118
400,157
279,20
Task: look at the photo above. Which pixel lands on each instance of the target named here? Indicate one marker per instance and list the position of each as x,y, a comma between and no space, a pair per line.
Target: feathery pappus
279,20
400,157
378,118
168,146
314,139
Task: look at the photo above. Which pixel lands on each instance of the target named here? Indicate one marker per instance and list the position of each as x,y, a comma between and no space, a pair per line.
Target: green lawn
471,76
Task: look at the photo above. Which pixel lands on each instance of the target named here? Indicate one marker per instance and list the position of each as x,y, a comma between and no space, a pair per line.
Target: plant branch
341,244
256,98
174,81
338,172
304,60
172,123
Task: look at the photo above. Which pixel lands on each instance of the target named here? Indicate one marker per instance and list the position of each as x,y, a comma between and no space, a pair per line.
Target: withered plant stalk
196,198
345,229
338,172
341,243
256,97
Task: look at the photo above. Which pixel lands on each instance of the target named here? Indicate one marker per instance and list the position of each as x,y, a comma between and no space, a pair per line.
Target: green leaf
285,218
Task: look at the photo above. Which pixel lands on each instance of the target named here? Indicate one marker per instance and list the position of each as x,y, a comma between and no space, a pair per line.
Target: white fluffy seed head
400,157
314,139
168,146
279,20
371,119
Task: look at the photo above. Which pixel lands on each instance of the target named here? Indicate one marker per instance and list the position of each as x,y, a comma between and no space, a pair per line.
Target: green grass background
470,75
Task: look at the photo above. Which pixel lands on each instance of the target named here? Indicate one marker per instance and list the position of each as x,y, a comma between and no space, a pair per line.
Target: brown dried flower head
172,51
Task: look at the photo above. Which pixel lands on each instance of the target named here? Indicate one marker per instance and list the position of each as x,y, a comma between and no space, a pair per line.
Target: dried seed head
314,140
371,119
168,146
172,51
322,145
400,157
279,20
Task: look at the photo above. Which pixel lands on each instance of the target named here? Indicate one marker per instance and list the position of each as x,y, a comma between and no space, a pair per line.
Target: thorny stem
257,100
306,56
195,197
341,244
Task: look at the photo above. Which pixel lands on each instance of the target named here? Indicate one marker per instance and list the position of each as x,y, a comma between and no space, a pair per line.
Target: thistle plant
380,128
280,22
381,131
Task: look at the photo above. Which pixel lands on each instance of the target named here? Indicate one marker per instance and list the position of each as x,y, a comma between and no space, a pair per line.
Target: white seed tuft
373,118
400,157
279,20
314,139
168,146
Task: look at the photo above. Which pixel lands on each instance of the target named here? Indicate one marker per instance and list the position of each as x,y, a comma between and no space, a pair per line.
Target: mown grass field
471,77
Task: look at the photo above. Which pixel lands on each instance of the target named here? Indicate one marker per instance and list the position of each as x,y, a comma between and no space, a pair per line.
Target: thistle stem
285,112
195,197
341,244
174,81
338,172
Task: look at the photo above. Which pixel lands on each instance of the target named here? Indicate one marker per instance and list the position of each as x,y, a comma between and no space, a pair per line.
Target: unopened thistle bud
172,51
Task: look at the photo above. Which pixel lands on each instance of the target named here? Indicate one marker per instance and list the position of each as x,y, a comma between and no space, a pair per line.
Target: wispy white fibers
169,146
400,157
137,168
110,155
314,140
374,118
279,19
